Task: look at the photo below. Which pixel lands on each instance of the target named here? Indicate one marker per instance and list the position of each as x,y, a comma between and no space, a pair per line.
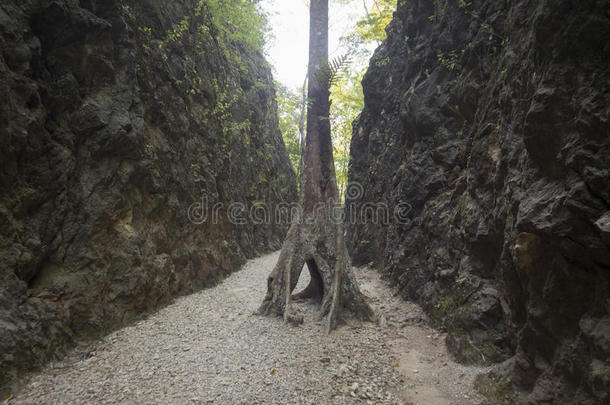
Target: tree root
320,246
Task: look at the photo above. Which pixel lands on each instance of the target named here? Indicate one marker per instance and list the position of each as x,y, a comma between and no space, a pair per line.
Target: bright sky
289,20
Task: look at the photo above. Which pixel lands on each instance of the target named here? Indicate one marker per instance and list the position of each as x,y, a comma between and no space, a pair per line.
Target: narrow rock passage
209,348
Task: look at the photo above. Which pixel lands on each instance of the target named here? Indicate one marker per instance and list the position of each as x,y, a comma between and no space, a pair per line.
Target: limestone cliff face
489,121
117,116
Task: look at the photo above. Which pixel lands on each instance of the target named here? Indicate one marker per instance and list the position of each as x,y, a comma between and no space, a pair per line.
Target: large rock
489,121
111,129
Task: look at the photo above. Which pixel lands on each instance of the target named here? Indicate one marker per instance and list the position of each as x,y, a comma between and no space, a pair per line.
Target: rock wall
487,122
116,117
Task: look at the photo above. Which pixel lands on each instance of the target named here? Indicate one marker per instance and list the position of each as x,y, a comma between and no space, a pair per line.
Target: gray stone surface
109,131
490,120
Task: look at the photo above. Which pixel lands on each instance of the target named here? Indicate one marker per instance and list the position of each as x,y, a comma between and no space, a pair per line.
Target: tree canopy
239,20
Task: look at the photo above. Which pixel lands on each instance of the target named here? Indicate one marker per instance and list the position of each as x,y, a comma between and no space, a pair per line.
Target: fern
337,66
331,71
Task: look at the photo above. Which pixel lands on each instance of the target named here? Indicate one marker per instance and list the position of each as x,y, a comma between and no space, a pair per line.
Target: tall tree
316,239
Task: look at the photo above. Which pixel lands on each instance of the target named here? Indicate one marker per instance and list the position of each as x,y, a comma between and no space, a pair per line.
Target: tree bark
316,238
302,135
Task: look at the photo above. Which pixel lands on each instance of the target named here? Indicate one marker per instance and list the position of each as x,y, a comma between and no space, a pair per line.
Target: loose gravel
209,348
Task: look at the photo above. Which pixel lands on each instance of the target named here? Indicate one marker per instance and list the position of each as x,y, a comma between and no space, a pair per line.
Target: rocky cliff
116,117
487,123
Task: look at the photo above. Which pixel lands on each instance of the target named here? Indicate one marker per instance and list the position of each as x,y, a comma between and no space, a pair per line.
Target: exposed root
332,283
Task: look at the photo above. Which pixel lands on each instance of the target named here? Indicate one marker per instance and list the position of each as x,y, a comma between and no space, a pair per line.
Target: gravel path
208,348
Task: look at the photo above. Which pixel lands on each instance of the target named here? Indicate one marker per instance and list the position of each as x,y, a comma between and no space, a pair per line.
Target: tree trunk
302,135
316,238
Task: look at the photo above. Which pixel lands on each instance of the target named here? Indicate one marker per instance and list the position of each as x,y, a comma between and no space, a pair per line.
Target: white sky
289,20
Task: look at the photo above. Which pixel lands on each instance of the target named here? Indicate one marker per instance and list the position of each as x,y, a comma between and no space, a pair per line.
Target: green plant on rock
444,303
221,112
450,61
145,35
237,21
383,62
464,5
176,33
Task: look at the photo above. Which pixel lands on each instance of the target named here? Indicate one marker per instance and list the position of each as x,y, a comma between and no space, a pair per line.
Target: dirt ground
209,348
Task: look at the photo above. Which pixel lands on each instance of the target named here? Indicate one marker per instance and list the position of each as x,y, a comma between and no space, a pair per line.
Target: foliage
221,31
346,91
221,113
450,61
332,69
371,28
289,105
176,33
347,102
238,21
